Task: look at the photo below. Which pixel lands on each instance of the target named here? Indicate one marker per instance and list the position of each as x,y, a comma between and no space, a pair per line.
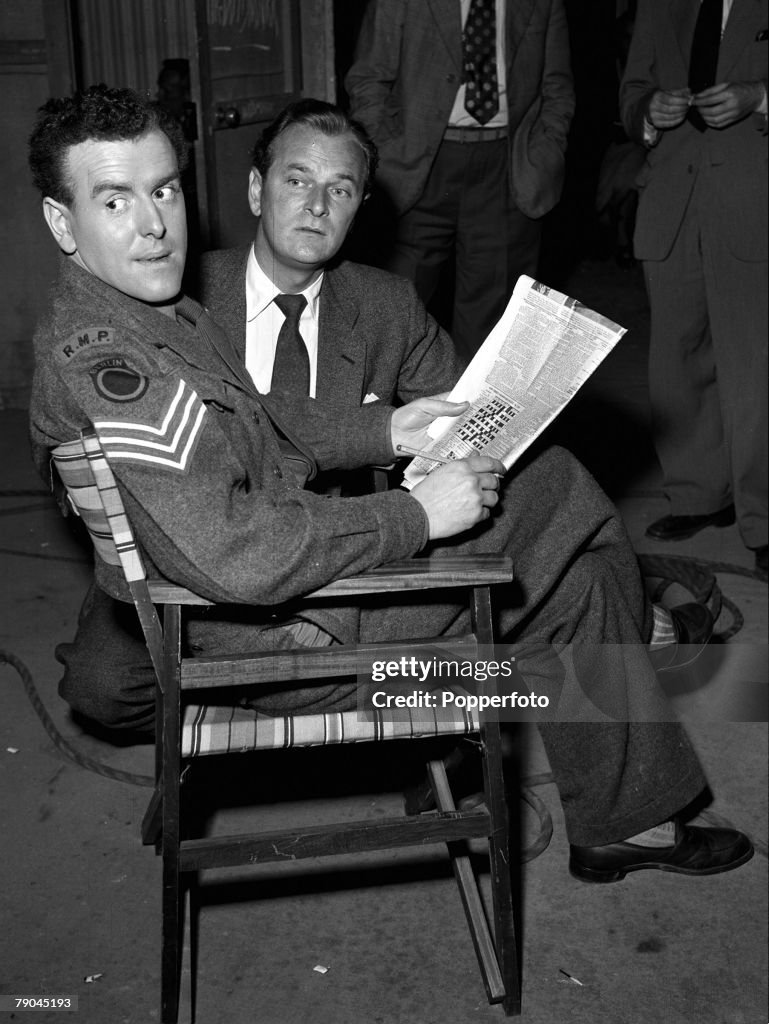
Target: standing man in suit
469,104
694,92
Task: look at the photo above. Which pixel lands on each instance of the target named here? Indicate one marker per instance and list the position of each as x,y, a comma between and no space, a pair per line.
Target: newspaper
531,365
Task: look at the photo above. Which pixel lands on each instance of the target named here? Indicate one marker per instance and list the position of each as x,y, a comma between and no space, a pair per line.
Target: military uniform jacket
196,454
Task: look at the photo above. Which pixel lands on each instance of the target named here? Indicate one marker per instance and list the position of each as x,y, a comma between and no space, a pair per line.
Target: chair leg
186,1014
421,796
468,888
503,860
171,935
153,819
173,918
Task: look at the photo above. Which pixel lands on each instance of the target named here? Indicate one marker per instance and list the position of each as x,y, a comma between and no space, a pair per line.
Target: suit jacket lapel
445,15
684,16
517,18
739,31
341,353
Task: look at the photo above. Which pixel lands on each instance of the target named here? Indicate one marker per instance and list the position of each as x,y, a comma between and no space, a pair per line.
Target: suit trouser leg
426,234
738,310
621,763
466,211
683,388
496,243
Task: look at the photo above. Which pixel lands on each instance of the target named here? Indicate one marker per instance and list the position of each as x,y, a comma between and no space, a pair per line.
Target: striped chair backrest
94,496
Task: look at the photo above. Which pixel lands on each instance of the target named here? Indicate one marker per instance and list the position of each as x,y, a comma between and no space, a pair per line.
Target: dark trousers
466,211
708,371
620,761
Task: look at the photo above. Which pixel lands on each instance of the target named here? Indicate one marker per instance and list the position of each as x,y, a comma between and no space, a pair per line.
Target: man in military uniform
211,473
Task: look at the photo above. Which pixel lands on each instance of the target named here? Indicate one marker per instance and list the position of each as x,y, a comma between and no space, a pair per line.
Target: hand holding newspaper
531,365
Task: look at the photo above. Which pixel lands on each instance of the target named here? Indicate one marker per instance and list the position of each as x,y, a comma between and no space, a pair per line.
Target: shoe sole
721,520
592,875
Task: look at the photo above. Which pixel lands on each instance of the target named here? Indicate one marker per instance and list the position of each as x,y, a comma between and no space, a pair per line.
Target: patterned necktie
291,369
707,39
480,61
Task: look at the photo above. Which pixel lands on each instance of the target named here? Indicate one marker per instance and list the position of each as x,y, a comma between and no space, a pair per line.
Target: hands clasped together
720,105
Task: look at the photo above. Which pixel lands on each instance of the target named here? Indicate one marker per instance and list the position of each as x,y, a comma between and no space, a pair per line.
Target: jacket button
451,79
690,168
278,472
256,417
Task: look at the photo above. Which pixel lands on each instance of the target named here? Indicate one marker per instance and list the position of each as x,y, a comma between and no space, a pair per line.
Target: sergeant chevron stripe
169,444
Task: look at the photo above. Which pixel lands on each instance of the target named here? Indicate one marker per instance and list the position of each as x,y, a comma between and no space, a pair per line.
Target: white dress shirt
264,321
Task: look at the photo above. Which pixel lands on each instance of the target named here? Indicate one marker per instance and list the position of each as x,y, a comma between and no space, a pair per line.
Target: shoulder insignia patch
88,338
116,381
169,442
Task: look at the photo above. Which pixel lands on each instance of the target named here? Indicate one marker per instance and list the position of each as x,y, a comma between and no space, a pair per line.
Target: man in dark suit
471,141
697,99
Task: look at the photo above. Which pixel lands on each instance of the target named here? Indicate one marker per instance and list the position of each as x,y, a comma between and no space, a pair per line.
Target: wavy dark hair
101,113
323,117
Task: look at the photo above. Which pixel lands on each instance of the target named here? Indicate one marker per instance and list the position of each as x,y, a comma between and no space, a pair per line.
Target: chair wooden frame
94,495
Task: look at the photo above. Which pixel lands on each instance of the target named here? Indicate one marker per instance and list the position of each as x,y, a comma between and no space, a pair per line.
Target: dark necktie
704,55
480,61
291,369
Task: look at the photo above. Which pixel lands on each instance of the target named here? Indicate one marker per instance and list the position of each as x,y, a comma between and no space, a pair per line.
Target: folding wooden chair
187,729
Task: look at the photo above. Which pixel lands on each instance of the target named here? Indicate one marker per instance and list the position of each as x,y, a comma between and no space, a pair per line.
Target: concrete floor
80,896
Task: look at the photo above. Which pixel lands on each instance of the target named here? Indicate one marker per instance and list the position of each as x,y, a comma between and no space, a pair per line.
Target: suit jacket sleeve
371,79
338,436
639,81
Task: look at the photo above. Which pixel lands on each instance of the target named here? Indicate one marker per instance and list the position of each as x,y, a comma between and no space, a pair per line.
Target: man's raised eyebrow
173,176
125,186
110,186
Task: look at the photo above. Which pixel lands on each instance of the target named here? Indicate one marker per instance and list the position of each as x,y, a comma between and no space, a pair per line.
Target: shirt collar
260,291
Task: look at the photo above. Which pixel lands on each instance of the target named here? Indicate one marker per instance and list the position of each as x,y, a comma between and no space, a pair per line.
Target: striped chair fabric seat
216,729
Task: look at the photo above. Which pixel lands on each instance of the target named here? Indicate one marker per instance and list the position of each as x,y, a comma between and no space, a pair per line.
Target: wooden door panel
250,67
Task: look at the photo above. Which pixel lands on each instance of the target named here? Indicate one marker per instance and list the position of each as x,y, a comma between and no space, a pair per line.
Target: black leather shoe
762,559
681,527
696,851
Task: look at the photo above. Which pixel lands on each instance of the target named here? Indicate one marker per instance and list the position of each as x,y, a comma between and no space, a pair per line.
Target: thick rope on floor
59,741
698,576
